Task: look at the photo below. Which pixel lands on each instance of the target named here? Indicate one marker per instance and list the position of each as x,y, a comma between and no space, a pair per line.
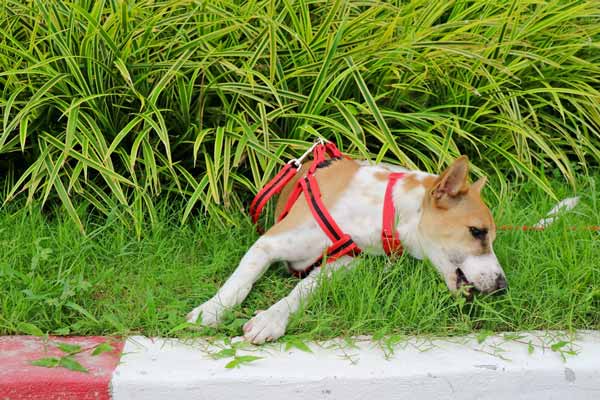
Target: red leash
593,228
342,243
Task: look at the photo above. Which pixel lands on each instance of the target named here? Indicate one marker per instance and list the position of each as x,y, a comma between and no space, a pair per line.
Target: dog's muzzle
501,286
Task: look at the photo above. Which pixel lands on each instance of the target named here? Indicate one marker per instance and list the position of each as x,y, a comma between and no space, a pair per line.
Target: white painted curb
452,368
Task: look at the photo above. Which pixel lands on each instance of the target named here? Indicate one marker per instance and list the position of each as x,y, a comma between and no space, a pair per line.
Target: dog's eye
477,232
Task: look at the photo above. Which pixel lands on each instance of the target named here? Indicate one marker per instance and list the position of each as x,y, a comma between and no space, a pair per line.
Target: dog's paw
266,326
211,313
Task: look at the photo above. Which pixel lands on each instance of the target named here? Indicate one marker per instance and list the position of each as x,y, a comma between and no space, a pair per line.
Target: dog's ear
452,182
479,184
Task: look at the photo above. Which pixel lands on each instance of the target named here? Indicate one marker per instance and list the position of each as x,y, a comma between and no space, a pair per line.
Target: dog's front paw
211,312
267,325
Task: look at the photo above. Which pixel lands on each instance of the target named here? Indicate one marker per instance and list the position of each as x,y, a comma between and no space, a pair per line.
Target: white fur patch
267,325
482,271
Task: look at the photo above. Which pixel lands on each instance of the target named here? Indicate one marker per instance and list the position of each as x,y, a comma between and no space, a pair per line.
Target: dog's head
458,231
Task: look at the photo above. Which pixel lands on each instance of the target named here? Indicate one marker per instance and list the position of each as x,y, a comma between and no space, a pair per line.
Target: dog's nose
501,285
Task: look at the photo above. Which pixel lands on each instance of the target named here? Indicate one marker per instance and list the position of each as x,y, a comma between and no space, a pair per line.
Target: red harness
342,243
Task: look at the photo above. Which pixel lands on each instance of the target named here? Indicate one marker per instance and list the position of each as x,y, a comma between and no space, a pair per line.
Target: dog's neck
408,195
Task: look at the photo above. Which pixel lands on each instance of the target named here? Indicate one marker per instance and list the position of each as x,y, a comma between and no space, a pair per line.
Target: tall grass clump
113,104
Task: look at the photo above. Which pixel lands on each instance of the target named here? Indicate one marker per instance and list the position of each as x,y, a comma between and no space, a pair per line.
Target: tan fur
382,176
412,181
451,226
453,206
452,182
479,184
332,180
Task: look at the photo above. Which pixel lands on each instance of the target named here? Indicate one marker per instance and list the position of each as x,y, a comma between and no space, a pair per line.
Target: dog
439,217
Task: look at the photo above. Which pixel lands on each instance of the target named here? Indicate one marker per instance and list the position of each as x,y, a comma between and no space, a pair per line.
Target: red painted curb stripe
21,380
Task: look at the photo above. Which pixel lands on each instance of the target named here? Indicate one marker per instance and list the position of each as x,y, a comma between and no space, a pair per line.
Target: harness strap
290,201
342,243
318,161
274,186
333,151
319,211
319,155
344,246
390,239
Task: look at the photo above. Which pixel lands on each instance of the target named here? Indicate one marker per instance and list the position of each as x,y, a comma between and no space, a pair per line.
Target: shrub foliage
115,103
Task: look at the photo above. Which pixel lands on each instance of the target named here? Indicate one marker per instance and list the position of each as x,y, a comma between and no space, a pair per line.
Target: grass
119,103
108,282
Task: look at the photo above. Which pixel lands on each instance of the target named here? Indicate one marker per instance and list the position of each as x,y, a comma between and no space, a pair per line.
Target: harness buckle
298,161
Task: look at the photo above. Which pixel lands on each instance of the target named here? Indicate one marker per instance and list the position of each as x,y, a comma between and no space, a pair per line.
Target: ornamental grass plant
113,105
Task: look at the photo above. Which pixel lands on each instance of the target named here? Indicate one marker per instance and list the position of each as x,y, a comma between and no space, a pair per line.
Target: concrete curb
501,367
460,368
19,379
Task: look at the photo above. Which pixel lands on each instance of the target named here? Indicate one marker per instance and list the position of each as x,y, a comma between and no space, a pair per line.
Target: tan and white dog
441,218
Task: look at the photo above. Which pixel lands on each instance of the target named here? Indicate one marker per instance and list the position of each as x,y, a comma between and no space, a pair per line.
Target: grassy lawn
111,283
146,124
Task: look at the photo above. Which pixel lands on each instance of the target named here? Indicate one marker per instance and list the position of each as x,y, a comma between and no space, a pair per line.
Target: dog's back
333,177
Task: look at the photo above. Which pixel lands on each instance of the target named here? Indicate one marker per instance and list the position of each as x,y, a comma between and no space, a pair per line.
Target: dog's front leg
270,324
254,263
